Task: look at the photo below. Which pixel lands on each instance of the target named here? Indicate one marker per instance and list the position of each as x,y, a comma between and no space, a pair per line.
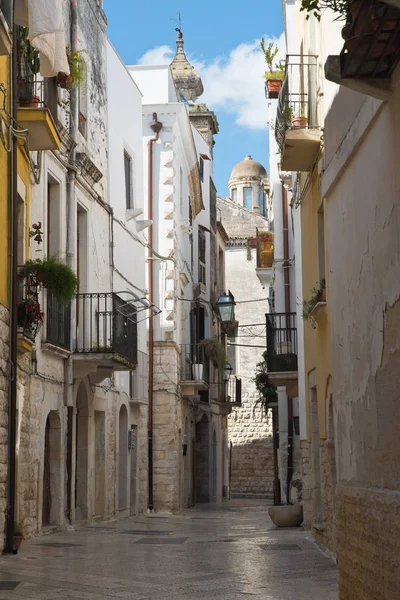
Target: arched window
248,198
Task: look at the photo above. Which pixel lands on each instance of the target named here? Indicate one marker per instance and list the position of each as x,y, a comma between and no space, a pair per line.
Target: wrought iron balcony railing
102,326
58,322
195,365
281,342
372,40
297,104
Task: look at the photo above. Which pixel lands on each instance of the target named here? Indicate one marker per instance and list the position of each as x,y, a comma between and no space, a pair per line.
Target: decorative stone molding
88,169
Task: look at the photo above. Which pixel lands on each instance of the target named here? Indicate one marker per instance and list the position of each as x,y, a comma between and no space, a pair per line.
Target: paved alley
226,553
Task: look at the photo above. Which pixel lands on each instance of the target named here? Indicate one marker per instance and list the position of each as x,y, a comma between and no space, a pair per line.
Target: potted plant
18,536
300,121
274,76
215,351
54,275
77,68
28,68
30,316
318,295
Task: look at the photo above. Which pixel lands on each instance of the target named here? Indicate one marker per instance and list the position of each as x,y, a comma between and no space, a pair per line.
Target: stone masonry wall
166,425
250,430
4,340
252,456
368,543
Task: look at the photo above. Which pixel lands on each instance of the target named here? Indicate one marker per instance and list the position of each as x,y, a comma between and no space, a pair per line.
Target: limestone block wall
250,430
252,456
166,425
4,337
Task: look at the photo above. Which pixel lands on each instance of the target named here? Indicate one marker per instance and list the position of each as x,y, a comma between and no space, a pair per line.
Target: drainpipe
70,243
12,388
286,275
156,127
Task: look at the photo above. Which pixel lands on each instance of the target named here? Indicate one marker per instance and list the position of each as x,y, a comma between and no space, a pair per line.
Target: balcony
371,50
195,369
5,31
105,336
282,347
34,115
265,256
58,325
297,131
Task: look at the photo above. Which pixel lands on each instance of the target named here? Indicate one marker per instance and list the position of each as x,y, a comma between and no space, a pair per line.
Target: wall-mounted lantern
226,308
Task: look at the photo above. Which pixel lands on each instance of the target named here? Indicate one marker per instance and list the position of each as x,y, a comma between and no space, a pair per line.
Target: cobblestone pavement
223,553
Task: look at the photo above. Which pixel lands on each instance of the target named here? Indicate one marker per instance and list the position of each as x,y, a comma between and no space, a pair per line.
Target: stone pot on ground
288,515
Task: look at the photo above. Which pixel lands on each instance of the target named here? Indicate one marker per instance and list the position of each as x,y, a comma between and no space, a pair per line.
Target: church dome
248,168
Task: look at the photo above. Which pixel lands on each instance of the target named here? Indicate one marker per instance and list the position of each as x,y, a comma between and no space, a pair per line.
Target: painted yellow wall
4,199
24,174
317,348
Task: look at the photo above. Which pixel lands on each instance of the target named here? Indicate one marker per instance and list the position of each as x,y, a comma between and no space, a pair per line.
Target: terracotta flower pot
274,87
32,103
65,81
299,122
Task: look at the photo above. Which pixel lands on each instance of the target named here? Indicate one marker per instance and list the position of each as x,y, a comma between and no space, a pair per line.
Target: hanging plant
77,68
318,295
315,7
266,390
54,275
215,351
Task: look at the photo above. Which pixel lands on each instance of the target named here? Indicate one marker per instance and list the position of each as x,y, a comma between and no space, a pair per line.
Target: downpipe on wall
156,126
71,209
13,356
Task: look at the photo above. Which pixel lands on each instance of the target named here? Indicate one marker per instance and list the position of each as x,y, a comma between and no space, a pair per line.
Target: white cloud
162,55
233,84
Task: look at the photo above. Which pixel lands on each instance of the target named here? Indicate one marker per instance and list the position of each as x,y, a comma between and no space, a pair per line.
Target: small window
82,110
234,195
248,198
201,169
202,257
128,180
261,198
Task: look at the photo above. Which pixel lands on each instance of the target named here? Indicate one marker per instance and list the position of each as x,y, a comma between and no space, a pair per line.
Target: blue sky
221,39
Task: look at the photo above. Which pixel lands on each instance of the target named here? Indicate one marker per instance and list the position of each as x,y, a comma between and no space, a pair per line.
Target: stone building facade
189,440
250,429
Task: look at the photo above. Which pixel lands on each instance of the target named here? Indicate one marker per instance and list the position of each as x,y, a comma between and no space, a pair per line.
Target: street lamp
227,371
226,308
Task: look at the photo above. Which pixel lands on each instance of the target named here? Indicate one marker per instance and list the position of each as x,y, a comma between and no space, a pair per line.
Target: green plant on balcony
77,68
28,68
275,74
215,351
316,7
54,275
318,295
266,390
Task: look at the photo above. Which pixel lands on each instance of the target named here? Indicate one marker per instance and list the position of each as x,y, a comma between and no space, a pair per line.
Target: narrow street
220,553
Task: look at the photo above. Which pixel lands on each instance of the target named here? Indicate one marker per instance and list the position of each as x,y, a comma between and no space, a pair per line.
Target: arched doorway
51,505
214,465
202,461
82,455
123,459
